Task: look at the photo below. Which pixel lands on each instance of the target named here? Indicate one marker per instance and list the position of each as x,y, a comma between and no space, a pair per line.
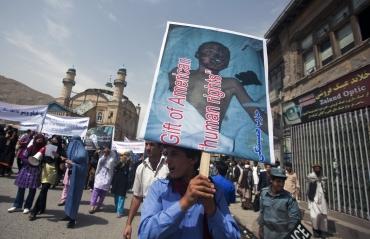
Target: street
97,226
275,93
103,224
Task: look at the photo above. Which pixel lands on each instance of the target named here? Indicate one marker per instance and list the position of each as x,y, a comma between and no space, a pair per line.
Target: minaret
68,83
116,103
119,85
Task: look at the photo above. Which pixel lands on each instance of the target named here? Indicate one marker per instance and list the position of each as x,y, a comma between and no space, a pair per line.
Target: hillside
12,91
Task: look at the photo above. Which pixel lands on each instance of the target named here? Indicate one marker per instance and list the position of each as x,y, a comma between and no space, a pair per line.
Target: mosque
104,107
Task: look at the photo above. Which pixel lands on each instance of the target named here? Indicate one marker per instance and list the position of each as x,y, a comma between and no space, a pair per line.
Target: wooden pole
204,164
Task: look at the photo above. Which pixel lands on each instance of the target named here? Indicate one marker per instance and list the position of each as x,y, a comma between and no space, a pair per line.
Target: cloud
102,6
154,1
112,17
57,31
52,66
59,4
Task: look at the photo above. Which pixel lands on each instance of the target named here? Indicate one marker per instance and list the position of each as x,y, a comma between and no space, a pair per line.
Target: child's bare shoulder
230,81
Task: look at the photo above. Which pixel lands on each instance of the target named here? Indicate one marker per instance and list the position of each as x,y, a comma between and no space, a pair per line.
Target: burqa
77,153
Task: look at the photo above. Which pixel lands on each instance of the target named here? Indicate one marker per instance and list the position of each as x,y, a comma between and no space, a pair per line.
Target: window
307,43
99,117
318,48
276,76
326,52
110,115
322,31
309,63
358,3
364,19
323,43
345,38
340,16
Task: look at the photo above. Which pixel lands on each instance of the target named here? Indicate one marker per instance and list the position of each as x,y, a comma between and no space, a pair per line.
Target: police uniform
279,213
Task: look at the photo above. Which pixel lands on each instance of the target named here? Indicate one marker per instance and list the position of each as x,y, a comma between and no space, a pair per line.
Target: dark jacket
8,150
247,179
264,181
120,179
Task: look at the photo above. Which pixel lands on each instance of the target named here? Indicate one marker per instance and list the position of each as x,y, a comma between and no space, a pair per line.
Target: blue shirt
278,213
162,217
226,186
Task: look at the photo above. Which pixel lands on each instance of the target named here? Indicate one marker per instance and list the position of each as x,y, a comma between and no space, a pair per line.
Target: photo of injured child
210,94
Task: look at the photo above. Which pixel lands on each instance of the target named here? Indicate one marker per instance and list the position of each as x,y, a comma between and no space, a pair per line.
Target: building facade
319,80
55,108
104,107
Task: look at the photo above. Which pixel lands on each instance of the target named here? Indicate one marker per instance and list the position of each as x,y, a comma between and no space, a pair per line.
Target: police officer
279,211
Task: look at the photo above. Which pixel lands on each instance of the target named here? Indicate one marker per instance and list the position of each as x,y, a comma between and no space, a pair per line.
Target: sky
41,39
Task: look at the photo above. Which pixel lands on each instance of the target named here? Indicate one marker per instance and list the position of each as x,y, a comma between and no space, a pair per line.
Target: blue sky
41,39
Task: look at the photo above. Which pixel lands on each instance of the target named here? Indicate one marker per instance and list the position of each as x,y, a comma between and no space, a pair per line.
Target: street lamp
109,83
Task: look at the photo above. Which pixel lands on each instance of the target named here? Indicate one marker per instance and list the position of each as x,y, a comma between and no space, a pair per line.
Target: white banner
68,126
29,126
59,125
22,113
136,147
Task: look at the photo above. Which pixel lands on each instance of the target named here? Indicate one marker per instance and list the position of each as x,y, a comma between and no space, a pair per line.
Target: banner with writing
22,113
347,93
137,147
99,137
59,125
210,93
66,126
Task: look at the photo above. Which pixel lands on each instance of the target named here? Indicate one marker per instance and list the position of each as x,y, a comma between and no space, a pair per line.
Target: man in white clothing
152,168
317,202
103,178
256,174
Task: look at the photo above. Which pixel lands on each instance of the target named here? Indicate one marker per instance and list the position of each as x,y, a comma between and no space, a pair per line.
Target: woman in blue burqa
78,162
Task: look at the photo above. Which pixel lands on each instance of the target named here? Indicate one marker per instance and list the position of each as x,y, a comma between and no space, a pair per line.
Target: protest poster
22,113
99,137
210,93
137,147
49,149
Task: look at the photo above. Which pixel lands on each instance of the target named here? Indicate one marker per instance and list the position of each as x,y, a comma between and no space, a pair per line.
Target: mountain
14,92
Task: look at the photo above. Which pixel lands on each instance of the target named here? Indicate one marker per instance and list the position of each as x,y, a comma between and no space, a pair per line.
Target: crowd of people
69,162
176,201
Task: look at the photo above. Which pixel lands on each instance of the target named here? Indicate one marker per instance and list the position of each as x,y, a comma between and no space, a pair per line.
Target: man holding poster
210,93
186,205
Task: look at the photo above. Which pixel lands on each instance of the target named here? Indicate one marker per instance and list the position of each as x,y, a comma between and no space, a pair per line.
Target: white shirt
255,175
145,176
104,172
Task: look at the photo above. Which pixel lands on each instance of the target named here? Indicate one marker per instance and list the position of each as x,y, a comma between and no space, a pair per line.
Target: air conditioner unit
311,70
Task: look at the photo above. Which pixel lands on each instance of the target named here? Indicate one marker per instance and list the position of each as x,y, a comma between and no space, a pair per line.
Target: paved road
101,225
